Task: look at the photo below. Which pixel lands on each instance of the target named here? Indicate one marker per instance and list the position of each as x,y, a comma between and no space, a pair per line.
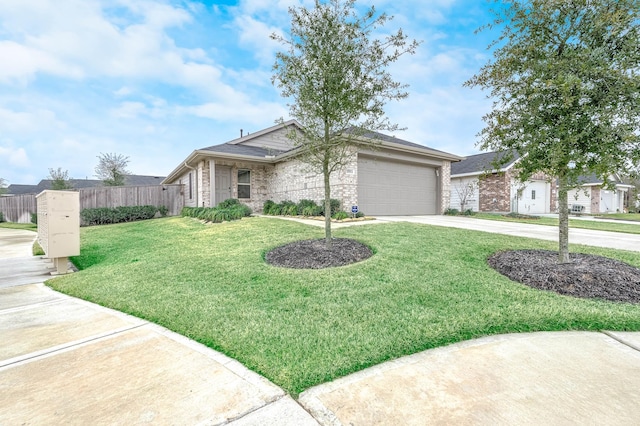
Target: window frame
244,184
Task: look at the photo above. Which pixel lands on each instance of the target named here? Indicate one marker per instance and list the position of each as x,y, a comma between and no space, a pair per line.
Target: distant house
498,190
130,180
593,198
396,178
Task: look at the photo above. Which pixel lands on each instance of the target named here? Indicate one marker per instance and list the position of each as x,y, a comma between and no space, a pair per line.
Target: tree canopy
59,179
112,168
565,84
334,73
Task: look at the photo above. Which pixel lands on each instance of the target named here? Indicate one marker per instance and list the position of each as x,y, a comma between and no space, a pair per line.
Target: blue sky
155,79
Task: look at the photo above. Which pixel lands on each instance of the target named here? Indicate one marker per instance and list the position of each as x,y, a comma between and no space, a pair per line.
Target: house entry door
223,184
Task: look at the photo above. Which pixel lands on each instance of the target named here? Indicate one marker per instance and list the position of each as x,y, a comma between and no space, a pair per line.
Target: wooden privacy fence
19,208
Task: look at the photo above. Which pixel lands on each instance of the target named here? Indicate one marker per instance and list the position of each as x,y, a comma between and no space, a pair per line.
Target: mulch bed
313,254
587,276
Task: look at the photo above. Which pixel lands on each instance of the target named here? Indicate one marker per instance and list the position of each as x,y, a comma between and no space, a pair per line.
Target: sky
154,80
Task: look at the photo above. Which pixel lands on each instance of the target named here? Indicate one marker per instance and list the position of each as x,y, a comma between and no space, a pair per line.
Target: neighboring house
593,198
499,190
130,180
395,178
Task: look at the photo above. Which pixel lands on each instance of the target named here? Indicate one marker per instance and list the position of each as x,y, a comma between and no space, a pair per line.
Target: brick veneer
495,192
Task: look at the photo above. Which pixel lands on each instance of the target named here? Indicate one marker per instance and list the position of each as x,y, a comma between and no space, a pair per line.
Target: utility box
59,226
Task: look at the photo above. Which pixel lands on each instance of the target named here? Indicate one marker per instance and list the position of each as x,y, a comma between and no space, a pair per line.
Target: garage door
394,188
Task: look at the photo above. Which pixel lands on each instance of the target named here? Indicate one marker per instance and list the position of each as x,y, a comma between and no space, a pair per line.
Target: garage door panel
394,188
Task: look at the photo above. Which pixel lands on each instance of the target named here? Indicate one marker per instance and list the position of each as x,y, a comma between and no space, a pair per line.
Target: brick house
397,177
485,189
491,190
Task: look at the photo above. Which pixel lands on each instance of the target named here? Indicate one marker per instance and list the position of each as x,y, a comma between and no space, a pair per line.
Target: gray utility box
59,226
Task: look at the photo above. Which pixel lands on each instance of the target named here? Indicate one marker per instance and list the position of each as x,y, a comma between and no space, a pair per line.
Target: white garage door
394,188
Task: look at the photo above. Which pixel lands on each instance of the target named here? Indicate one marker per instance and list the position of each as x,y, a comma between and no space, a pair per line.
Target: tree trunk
563,215
327,203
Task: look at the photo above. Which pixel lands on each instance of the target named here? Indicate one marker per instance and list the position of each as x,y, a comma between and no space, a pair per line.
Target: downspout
195,179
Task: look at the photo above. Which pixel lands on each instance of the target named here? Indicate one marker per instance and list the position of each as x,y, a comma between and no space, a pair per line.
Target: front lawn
629,228
424,287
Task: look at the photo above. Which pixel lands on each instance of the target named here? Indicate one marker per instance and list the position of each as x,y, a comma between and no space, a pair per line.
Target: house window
244,183
533,194
190,186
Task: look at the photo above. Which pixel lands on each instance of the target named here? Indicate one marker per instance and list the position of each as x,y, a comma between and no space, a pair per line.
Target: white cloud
250,113
256,36
15,157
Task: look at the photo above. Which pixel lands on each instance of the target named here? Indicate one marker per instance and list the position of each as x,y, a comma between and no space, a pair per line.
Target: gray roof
44,184
479,163
393,139
251,151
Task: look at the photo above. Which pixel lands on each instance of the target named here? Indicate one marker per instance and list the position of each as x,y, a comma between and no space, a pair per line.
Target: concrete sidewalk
67,361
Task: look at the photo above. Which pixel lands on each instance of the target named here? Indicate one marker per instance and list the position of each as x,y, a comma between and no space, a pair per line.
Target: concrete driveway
616,240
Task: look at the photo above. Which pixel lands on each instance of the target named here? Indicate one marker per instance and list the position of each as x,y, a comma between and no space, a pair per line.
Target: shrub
233,211
359,214
288,208
340,215
310,211
308,206
163,210
105,215
451,212
335,206
1,217
230,202
268,207
34,218
469,212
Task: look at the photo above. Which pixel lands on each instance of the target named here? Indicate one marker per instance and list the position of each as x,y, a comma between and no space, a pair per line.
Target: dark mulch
313,254
587,276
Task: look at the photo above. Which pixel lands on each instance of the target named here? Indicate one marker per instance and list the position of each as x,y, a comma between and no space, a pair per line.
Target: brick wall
445,186
294,180
495,192
595,199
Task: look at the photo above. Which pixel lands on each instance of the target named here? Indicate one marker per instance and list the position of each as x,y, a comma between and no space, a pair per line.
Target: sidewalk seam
620,340
34,356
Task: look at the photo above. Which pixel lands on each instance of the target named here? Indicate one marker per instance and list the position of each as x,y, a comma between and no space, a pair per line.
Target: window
244,183
533,194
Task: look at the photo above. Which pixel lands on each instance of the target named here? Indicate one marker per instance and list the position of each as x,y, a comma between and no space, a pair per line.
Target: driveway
615,240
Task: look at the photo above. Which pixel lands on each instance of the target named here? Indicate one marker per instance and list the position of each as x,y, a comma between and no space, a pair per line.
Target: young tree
465,191
59,179
335,74
3,186
112,169
566,87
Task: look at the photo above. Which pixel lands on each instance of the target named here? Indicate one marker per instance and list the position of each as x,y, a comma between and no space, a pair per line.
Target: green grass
424,287
634,217
26,226
628,228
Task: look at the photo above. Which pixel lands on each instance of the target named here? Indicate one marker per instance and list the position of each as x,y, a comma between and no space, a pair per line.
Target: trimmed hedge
226,211
106,215
302,208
